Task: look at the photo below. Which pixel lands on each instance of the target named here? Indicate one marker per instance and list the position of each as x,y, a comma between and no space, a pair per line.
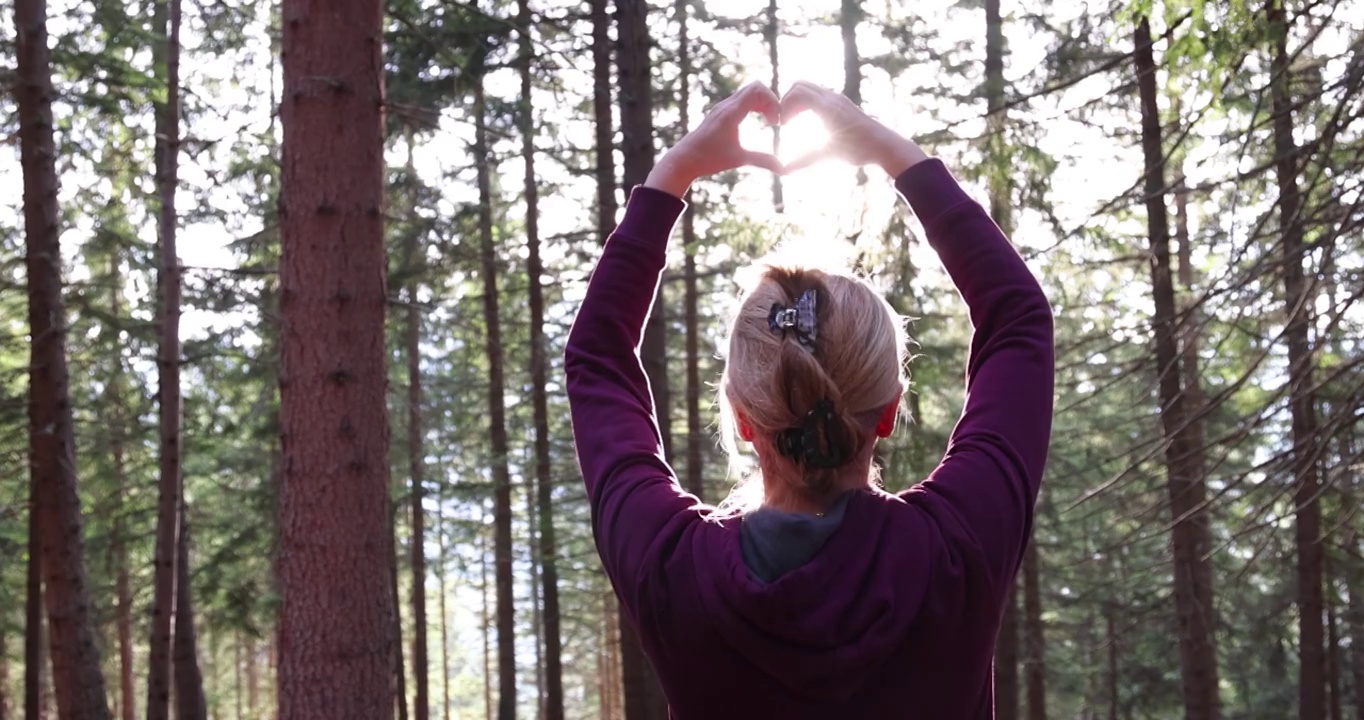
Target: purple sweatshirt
895,616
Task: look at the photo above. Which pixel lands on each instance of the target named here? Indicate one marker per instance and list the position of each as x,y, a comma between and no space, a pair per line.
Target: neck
780,488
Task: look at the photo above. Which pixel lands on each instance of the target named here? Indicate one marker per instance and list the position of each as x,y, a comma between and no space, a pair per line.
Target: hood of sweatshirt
825,628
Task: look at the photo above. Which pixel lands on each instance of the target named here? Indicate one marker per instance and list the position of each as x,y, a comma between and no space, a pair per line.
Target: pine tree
335,651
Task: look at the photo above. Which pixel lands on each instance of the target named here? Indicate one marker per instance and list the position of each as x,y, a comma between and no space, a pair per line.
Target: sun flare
800,136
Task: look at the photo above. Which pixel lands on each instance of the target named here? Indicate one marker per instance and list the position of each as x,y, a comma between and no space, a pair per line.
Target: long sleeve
992,470
633,493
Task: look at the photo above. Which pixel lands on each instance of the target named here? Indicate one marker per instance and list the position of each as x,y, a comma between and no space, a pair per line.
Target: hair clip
800,317
802,443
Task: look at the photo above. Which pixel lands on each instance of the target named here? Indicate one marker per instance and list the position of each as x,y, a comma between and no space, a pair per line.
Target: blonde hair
777,380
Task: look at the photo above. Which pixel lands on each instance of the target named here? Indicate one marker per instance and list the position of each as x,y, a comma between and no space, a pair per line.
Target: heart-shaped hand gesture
854,136
714,146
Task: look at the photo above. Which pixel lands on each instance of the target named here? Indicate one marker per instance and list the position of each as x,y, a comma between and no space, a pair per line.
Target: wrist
669,178
897,153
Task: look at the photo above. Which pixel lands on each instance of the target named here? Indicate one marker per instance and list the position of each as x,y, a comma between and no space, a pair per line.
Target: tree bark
1356,626
1333,654
336,606
497,423
1001,209
771,33
694,481
190,702
1189,337
1190,535
122,585
849,17
56,513
166,57
399,669
444,614
644,698
1034,643
416,455
1302,403
487,629
252,679
552,643
602,109
237,652
33,609
606,201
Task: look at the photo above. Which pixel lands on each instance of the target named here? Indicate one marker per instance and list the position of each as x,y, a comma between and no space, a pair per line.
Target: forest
285,286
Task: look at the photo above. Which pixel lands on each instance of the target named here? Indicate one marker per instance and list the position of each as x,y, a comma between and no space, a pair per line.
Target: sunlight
801,136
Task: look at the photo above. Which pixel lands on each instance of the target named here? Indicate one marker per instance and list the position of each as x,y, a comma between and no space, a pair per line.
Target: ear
745,427
886,426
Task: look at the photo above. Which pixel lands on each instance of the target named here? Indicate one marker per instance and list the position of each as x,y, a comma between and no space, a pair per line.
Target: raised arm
632,491
992,470
637,505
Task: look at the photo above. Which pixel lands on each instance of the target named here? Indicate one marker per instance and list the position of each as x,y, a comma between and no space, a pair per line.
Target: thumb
767,161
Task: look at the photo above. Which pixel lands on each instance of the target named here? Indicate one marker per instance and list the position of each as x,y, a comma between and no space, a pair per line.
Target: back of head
814,359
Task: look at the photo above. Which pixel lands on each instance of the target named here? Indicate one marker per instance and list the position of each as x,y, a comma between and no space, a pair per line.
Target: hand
714,146
854,136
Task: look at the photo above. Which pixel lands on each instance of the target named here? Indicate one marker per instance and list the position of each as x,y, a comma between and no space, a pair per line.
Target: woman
834,598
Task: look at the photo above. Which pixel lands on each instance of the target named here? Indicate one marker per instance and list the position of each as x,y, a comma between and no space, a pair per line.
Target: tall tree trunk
444,614
849,16
416,455
602,108
166,57
237,652
644,698
771,33
336,606
487,629
1302,403
1333,653
190,702
252,679
122,585
1034,643
1356,626
615,704
33,609
497,423
694,480
399,668
56,514
553,684
1001,209
1190,537
538,636
1189,337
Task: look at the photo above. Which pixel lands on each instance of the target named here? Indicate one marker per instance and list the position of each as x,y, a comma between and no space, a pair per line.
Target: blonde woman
831,598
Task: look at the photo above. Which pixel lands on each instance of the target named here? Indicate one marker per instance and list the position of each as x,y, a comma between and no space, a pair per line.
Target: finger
755,98
801,97
767,161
